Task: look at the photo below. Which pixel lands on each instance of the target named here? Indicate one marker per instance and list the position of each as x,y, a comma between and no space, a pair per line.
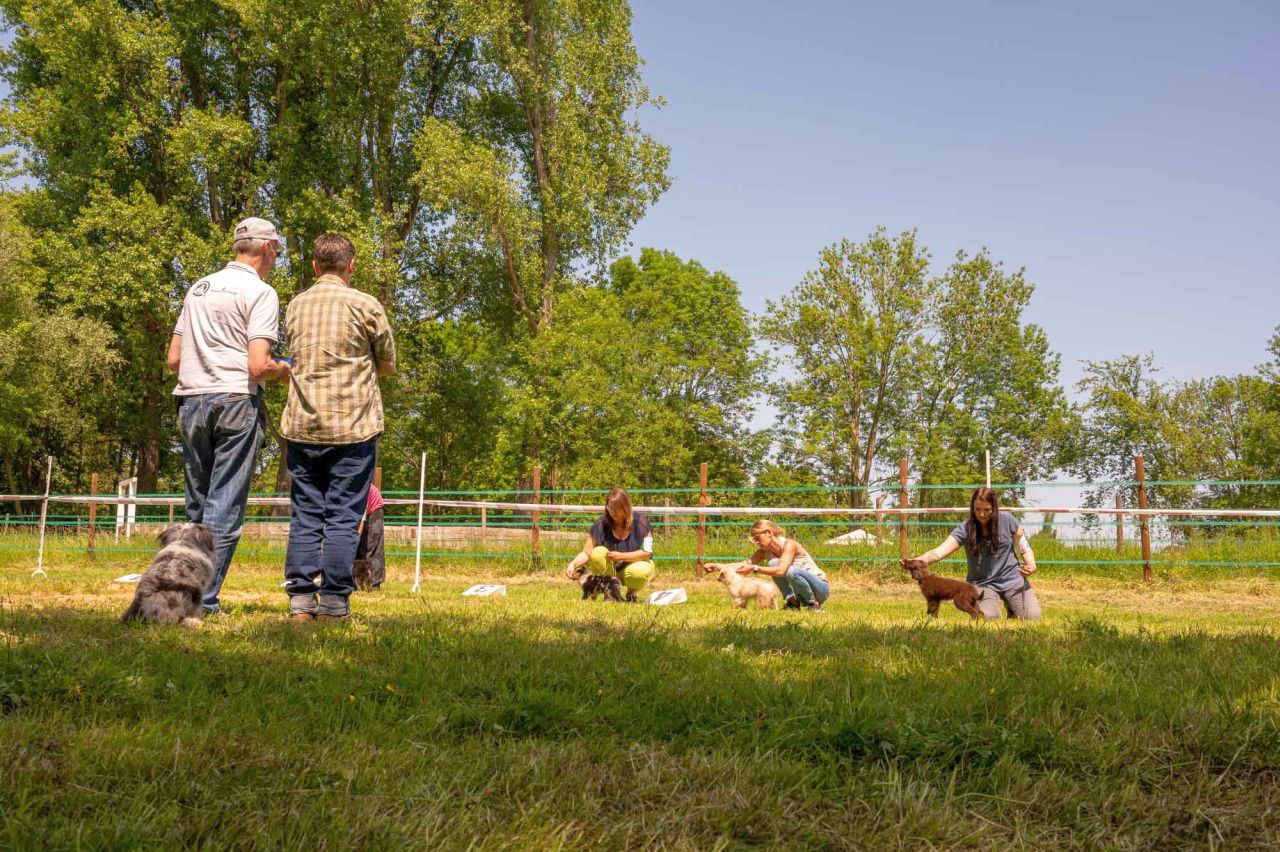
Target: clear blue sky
1125,154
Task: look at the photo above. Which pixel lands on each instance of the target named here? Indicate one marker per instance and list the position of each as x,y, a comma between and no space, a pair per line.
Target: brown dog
362,573
938,589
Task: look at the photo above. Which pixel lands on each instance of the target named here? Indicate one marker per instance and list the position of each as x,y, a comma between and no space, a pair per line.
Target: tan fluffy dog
744,587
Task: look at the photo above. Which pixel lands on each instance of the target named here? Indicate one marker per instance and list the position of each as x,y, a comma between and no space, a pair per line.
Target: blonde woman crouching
784,559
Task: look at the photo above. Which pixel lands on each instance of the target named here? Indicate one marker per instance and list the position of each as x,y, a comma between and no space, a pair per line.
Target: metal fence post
903,548
702,518
537,498
93,514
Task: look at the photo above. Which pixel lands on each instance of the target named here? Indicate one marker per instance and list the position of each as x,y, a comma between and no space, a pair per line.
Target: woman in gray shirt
990,538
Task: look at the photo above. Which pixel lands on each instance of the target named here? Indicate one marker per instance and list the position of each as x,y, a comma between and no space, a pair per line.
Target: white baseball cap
254,228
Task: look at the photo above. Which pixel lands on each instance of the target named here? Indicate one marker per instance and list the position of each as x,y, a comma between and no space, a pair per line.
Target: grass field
1132,717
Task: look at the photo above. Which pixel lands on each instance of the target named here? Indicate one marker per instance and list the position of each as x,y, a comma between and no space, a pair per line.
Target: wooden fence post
537,498
879,519
702,519
1119,524
666,519
902,504
377,477
93,513
1143,524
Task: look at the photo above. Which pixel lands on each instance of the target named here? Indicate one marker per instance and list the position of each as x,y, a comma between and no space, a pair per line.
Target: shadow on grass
959,697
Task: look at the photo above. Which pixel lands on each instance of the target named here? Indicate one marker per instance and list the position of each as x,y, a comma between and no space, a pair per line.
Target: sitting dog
171,590
362,573
600,584
744,587
938,589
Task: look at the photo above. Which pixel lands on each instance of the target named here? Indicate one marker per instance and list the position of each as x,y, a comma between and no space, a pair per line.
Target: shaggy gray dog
173,587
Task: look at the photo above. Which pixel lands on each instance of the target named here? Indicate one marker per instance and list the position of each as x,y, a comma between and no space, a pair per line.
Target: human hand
284,369
745,569
615,555
1026,569
570,570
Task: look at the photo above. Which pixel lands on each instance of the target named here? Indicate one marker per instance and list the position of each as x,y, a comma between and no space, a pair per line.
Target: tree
549,170
643,379
983,380
153,126
1204,430
850,329
53,365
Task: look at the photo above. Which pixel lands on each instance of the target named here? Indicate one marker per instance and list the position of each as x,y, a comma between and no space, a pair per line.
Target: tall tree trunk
11,479
283,482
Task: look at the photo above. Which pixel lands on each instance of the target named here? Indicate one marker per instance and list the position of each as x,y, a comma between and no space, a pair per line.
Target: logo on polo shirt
200,289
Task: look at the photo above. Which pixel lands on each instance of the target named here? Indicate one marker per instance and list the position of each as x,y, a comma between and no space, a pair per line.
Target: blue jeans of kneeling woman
805,585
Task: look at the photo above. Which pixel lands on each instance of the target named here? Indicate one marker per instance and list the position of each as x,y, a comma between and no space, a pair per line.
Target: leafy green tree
53,366
983,379
850,330
1214,429
643,379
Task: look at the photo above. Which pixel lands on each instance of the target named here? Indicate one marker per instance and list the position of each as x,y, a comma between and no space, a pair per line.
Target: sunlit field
1135,715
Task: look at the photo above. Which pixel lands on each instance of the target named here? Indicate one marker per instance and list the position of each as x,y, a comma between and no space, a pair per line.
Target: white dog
744,587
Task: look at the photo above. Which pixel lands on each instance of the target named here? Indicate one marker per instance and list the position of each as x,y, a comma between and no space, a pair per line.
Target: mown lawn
1131,717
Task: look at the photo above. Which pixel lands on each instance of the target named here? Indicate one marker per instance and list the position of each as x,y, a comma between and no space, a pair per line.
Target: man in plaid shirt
341,344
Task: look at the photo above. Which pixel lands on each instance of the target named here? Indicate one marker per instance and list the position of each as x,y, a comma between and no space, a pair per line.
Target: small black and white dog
171,590
600,584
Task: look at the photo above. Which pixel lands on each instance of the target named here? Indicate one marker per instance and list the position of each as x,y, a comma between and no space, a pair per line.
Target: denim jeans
1018,603
805,585
221,436
329,493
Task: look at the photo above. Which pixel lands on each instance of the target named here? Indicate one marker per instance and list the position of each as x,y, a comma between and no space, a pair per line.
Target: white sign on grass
128,578
485,591
667,598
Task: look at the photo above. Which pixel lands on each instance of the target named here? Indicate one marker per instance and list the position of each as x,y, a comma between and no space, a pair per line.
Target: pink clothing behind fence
375,499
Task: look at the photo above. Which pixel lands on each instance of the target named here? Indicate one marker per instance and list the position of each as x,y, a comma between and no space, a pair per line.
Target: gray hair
249,248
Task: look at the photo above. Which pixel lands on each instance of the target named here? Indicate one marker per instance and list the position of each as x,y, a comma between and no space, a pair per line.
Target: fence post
537,498
1143,521
902,504
666,519
417,555
44,517
879,519
377,477
1119,524
93,513
170,513
702,518
484,518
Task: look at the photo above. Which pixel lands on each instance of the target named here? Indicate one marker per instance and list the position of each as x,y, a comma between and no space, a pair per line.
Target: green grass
1133,716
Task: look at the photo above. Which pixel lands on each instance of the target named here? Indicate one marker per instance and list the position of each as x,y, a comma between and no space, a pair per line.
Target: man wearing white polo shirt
221,351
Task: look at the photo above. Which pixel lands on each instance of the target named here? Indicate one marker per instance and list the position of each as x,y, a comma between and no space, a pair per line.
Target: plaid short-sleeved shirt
337,335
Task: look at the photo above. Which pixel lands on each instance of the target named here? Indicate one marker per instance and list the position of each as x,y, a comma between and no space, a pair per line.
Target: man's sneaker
792,602
302,616
815,607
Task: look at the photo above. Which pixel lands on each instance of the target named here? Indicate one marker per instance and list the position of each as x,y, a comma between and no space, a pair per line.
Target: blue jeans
805,585
329,493
221,436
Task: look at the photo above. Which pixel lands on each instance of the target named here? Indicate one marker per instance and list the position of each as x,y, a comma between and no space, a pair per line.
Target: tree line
488,160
